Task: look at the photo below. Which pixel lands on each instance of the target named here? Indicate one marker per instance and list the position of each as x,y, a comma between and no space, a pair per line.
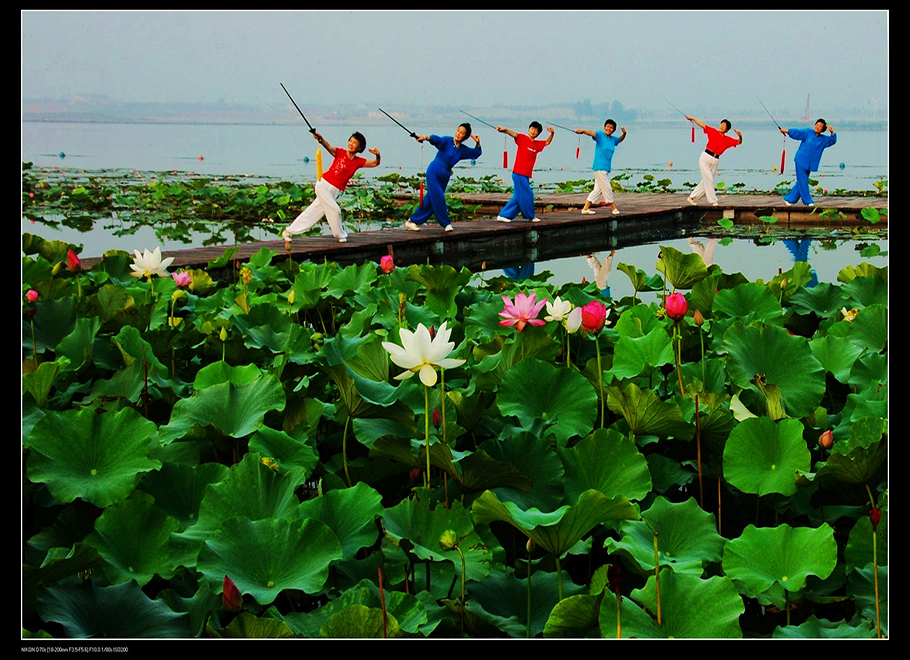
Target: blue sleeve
798,133
436,141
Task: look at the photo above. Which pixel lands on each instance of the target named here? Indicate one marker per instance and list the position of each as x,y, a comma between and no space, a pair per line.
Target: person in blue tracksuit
812,144
450,150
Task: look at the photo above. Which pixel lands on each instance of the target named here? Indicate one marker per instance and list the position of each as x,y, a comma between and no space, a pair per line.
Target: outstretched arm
502,129
695,121
374,162
328,147
582,131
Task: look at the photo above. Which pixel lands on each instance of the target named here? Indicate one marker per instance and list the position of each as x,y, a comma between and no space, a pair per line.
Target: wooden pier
561,232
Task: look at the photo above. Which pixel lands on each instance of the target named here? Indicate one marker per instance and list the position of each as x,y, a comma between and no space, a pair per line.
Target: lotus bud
437,419
826,440
230,596
875,516
676,306
223,334
32,295
291,297
448,540
698,318
72,261
414,475
529,546
387,263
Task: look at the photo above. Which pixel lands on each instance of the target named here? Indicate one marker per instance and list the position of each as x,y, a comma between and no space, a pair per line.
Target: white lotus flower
422,355
150,263
558,310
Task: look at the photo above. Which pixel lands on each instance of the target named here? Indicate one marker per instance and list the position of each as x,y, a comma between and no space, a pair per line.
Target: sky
719,60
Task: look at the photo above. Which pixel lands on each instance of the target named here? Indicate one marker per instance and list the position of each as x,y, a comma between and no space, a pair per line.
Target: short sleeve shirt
343,168
526,154
604,146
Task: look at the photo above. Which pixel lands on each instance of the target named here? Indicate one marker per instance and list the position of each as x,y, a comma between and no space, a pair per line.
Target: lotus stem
701,492
344,450
718,502
618,615
787,605
600,381
677,340
464,573
34,342
559,573
528,633
878,619
385,630
426,424
657,576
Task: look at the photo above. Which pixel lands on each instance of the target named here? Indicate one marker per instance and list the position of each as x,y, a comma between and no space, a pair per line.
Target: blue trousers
800,191
522,199
434,202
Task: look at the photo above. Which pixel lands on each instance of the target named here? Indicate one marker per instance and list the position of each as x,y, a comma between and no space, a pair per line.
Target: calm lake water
288,153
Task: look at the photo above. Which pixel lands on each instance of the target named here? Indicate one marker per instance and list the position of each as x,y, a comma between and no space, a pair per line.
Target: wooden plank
562,231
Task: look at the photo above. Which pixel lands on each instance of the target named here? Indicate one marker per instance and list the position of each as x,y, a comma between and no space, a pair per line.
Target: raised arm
740,136
375,161
623,136
328,147
552,132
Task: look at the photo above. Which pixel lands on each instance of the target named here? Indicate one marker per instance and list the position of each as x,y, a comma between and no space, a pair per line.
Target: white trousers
323,205
707,165
602,187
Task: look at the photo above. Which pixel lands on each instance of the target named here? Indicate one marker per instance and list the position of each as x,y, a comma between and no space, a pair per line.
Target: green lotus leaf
824,300
351,280
247,626
634,356
870,328
762,456
496,359
849,273
815,628
263,557
288,453
309,284
52,321
443,283
59,564
859,458
646,414
574,616
235,410
868,290
39,382
761,557
690,607
748,303
667,473
861,584
534,459
350,513
251,490
683,270
367,365
122,611
559,530
360,621
199,602
687,538
132,538
702,295
868,370
608,462
409,613
78,346
502,600
97,457
566,407
640,280
763,358
836,355
476,471
637,322
178,489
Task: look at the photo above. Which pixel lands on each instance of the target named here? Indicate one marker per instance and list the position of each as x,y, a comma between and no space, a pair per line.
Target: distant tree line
603,111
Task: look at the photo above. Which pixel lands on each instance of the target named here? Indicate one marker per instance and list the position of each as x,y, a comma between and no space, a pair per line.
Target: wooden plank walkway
562,231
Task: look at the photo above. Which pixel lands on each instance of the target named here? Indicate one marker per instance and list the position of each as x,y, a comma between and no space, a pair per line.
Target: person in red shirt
525,156
332,183
718,143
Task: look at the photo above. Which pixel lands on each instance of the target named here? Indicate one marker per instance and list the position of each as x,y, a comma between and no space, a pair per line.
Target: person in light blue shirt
605,144
450,151
808,156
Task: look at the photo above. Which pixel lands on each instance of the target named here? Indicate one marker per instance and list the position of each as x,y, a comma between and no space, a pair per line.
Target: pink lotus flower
183,278
32,295
594,317
522,312
72,261
676,306
387,263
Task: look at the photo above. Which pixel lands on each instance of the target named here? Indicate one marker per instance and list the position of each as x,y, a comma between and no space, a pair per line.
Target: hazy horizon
704,61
